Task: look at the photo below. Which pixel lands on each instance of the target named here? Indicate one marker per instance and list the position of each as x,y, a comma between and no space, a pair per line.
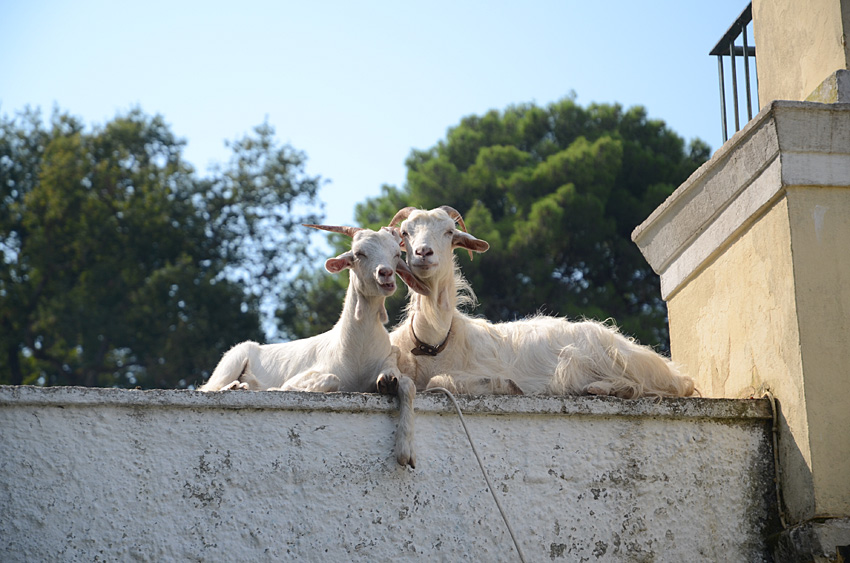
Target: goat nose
385,272
424,251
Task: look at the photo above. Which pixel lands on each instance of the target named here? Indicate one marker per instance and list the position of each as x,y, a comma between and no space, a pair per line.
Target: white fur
352,356
537,355
346,358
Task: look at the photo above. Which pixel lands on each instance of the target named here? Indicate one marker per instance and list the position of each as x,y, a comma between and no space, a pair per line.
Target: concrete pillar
754,257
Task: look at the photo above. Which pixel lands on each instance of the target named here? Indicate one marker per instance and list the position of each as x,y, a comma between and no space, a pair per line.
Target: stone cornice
370,402
786,144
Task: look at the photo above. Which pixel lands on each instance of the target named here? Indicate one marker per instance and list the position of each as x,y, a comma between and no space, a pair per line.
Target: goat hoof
599,388
513,388
405,459
388,385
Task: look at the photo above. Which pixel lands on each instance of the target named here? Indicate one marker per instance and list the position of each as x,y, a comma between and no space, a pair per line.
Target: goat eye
404,233
360,255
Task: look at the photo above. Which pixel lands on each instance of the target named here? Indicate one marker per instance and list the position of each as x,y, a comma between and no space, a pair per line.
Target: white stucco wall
108,475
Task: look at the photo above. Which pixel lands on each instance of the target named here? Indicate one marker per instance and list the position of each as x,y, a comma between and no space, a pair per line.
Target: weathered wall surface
101,474
736,333
820,227
799,45
752,252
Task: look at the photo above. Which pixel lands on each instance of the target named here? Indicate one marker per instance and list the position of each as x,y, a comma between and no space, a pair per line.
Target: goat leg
235,385
387,381
387,384
405,455
470,384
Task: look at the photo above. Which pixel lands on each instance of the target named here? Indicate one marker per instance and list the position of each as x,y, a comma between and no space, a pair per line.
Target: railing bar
722,98
756,64
751,51
747,75
726,48
734,86
745,17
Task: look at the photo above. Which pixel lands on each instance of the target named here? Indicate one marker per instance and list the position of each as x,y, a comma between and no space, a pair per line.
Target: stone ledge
835,89
367,402
786,144
119,475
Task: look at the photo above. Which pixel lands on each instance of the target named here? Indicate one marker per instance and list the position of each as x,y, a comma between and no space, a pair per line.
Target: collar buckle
422,349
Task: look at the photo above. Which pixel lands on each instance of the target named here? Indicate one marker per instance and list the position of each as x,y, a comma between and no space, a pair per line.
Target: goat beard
411,280
360,310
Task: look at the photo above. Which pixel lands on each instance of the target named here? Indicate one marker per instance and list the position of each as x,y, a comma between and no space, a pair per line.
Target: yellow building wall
733,327
820,243
774,304
798,45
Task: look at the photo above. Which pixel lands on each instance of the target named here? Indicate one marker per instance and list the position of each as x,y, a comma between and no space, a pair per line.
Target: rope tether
481,465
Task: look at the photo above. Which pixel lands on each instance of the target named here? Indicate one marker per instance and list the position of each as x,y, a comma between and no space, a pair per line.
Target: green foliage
314,302
556,191
121,267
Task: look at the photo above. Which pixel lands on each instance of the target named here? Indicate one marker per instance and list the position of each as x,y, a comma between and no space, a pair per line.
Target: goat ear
395,233
340,263
469,242
412,281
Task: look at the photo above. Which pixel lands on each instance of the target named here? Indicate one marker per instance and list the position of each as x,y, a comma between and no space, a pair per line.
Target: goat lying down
354,353
442,347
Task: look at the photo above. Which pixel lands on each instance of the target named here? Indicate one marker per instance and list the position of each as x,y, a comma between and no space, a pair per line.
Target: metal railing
726,47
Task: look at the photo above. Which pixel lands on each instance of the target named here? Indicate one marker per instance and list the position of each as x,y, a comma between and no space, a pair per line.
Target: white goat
537,355
351,355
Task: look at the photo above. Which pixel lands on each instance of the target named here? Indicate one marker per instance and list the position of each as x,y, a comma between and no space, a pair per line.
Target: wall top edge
62,397
716,161
765,117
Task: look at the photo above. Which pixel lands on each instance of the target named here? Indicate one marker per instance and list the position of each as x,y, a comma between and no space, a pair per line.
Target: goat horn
345,230
402,215
453,213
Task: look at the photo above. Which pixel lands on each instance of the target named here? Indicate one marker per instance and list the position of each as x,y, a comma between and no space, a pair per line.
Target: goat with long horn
344,230
354,354
403,214
442,347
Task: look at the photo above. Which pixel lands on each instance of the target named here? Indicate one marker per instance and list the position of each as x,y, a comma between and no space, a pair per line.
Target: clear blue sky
357,85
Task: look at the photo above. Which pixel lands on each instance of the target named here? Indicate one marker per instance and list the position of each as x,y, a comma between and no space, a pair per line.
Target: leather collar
422,349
